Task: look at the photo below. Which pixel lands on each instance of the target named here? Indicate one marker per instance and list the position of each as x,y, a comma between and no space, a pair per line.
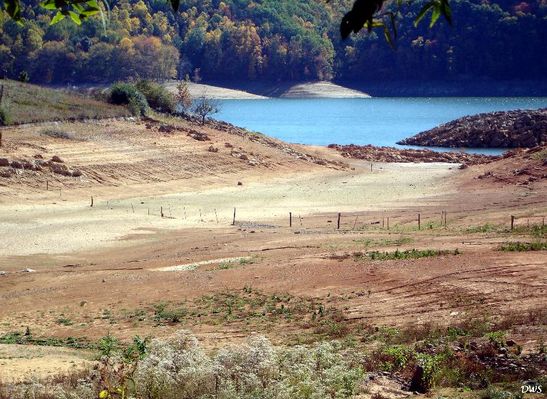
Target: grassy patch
250,310
385,242
535,230
165,313
484,228
408,254
28,103
523,246
237,262
540,155
64,321
28,339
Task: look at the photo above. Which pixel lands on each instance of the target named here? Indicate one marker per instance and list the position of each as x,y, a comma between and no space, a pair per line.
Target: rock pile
55,164
511,129
391,154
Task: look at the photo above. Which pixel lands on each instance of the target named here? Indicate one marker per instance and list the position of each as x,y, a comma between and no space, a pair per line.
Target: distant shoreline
259,91
367,89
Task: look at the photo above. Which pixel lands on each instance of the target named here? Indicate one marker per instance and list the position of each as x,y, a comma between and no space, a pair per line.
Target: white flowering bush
178,368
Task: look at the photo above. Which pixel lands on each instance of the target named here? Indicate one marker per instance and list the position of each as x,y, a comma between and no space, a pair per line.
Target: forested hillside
274,40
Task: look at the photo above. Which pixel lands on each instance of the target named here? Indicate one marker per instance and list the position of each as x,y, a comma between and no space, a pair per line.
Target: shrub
23,77
431,365
158,97
5,118
205,107
523,246
108,345
183,96
127,94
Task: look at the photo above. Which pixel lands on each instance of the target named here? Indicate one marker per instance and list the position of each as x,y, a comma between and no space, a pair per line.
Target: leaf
48,5
13,8
422,13
446,11
435,15
75,17
387,35
57,18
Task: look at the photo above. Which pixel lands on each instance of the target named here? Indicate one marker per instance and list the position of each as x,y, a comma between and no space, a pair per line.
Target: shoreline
264,91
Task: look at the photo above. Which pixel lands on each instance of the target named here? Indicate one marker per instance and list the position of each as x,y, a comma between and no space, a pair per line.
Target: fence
405,219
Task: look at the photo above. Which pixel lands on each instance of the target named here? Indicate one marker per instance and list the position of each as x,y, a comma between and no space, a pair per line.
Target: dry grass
28,103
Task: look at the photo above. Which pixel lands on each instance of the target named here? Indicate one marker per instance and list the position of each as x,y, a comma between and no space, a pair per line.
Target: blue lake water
377,121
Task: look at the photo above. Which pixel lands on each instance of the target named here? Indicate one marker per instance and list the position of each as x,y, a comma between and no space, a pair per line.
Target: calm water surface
378,121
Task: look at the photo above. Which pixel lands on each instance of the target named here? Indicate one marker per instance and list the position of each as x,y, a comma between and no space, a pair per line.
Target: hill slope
28,103
276,41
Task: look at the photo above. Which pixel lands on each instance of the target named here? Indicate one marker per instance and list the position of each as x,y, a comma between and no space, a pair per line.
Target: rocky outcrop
511,129
55,165
391,154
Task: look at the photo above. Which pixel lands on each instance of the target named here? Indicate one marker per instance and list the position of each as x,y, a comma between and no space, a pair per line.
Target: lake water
377,121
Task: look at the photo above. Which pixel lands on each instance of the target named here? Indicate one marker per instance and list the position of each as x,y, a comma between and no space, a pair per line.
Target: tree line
272,40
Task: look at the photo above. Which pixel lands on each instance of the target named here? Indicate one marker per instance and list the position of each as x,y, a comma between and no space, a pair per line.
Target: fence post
234,219
161,211
290,219
419,222
388,222
338,223
91,206
512,222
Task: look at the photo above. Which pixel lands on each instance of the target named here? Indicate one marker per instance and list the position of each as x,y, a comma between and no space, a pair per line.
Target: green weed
408,254
523,246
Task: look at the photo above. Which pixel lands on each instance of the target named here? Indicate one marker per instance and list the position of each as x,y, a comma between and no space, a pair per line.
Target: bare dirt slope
322,89
220,93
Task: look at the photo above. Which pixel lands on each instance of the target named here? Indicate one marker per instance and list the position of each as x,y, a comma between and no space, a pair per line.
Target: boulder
198,136
4,162
7,172
60,169
55,158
